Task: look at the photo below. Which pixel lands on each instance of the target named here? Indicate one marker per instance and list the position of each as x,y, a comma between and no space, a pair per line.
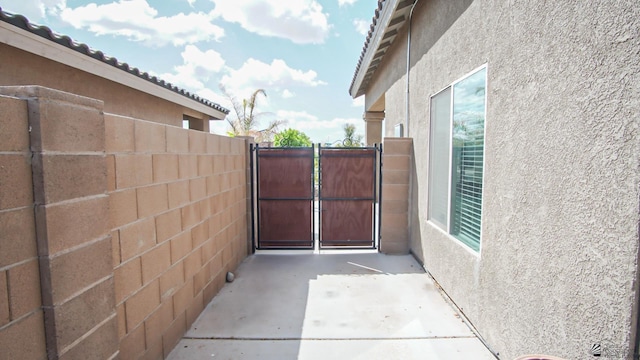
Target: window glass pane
467,158
439,140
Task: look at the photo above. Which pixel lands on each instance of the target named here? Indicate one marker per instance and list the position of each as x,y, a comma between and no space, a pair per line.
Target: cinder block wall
114,232
177,202
21,315
396,169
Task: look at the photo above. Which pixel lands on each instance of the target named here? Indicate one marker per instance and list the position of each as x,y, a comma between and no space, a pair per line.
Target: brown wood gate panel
347,197
285,198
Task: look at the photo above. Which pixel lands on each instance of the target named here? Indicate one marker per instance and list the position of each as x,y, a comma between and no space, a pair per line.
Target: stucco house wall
557,270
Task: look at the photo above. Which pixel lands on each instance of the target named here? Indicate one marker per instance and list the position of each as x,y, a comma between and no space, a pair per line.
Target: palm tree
247,120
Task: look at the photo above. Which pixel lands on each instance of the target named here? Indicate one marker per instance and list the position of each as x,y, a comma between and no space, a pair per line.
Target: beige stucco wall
558,266
18,67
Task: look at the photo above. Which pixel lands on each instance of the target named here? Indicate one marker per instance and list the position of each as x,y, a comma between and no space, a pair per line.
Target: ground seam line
329,339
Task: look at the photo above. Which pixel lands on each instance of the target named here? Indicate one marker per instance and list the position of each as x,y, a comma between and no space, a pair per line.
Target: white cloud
301,21
320,130
138,21
286,94
362,26
35,10
255,74
197,68
346,2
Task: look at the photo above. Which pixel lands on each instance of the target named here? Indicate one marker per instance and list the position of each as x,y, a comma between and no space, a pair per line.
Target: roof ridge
66,41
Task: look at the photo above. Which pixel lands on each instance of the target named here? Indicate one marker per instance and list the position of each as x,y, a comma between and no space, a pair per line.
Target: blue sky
301,52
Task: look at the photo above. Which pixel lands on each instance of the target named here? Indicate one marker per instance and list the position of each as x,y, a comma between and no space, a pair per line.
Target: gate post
396,175
249,144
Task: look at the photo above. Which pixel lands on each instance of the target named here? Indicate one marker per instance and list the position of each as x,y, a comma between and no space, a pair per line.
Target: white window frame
435,223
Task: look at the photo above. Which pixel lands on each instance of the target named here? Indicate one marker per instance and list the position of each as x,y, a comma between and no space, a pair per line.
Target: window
457,158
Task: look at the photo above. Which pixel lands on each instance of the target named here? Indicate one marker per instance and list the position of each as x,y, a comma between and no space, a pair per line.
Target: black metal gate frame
376,198
255,195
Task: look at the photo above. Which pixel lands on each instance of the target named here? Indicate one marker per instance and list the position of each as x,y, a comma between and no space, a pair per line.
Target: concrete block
205,165
197,189
65,126
190,215
15,177
396,162
75,270
178,193
159,322
395,192
24,339
195,308
150,137
395,206
133,346
14,124
122,321
18,236
123,207
188,166
397,146
154,351
24,284
127,279
79,315
192,263
165,167
115,247
174,333
137,238
71,176
5,316
213,185
394,221
177,140
199,234
142,304
181,245
182,298
155,262
102,343
205,208
168,225
152,200
133,170
213,144
171,281
197,142
395,177
119,134
111,172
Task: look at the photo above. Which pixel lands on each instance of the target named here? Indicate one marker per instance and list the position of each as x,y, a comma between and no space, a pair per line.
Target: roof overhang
42,42
390,17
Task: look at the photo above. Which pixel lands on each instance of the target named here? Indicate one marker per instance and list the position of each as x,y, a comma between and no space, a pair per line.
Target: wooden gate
347,182
284,189
347,197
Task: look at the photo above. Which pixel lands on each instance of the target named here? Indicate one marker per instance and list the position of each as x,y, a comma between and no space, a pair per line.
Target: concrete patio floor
342,306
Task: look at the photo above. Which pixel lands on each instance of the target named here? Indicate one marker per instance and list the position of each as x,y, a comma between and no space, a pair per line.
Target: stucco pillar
373,127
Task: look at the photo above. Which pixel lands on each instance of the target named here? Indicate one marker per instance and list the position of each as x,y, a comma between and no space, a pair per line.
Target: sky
303,53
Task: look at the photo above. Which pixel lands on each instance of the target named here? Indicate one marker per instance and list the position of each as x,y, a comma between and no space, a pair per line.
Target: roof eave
385,28
38,45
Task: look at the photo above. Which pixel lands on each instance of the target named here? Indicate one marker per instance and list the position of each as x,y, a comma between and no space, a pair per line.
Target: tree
291,138
246,121
350,137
